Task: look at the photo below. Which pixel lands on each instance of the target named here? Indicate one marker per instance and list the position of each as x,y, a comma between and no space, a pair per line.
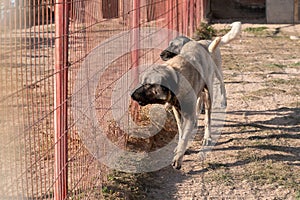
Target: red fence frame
60,99
134,25
43,44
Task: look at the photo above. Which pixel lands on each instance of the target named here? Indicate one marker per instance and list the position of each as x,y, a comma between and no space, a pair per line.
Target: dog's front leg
224,100
187,129
219,75
178,121
223,92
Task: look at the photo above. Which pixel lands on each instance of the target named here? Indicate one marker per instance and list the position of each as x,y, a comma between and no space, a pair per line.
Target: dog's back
199,57
195,63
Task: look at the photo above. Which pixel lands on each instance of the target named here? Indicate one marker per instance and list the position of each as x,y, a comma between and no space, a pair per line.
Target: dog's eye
164,88
147,86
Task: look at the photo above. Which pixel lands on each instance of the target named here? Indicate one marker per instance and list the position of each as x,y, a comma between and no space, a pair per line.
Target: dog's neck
172,100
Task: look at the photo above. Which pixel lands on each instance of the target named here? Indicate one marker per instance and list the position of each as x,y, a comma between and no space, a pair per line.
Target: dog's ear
174,47
173,74
163,75
177,43
136,88
170,79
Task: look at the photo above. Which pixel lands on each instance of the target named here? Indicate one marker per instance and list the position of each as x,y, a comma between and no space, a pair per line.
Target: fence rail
42,46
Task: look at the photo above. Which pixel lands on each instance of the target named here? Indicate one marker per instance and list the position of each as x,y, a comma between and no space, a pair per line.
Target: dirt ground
257,155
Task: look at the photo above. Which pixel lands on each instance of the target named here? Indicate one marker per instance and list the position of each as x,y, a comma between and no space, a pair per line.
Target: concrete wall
271,11
280,11
237,9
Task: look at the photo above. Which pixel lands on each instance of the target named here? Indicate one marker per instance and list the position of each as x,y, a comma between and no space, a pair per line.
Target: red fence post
192,15
203,9
177,14
169,17
170,14
185,18
60,99
198,12
135,24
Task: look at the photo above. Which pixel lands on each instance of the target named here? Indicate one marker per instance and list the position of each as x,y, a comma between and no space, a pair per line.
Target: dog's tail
228,37
214,44
235,31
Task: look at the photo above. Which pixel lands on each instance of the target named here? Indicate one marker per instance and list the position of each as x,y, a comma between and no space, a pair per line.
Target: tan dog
185,81
179,82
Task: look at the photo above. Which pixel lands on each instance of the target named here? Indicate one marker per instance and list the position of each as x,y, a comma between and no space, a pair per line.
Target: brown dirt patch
258,153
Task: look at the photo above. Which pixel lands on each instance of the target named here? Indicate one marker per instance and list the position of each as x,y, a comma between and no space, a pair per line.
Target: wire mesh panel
89,27
31,152
103,48
26,101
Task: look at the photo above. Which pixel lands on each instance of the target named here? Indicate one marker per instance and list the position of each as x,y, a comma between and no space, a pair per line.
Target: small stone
293,37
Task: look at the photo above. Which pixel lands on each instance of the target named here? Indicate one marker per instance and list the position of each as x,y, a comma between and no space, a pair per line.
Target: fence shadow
285,122
284,125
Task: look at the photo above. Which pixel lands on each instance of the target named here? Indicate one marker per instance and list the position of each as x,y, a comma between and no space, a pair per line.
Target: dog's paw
224,103
175,150
177,161
202,111
201,155
176,165
207,142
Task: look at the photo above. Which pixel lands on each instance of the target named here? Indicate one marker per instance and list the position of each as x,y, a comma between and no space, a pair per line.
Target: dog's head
174,47
151,94
157,86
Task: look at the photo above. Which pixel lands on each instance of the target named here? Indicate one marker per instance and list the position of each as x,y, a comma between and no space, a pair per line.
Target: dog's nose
141,103
134,96
163,56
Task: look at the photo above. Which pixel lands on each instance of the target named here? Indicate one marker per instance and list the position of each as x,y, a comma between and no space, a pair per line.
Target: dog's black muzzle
151,94
167,55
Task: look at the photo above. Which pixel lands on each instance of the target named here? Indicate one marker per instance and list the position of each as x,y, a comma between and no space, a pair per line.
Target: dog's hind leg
218,69
219,76
199,104
207,119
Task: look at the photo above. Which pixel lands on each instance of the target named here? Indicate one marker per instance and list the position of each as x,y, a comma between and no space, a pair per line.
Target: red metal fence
42,46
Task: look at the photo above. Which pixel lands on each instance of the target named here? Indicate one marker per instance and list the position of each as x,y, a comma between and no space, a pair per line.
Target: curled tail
228,37
214,44
232,34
